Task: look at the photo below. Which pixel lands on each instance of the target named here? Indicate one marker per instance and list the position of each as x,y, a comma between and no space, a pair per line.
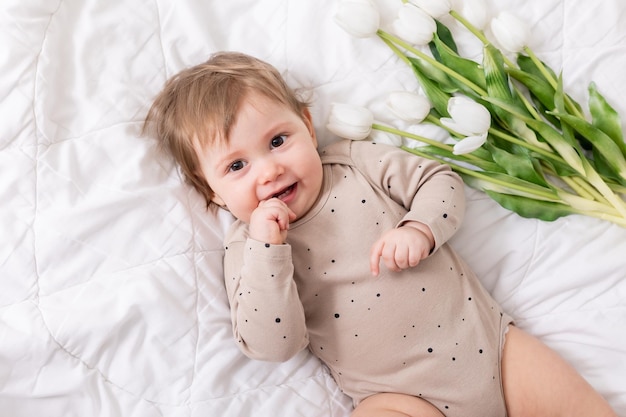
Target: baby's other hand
269,222
401,248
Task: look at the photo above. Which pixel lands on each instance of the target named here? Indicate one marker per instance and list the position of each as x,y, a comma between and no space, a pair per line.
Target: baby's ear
308,121
216,199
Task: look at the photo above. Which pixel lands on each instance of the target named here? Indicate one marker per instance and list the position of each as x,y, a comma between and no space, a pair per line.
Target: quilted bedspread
111,293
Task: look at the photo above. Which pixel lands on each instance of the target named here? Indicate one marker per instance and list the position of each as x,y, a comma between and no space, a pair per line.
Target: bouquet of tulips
515,133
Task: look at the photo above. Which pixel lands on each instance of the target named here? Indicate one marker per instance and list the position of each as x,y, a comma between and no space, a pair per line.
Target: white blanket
111,295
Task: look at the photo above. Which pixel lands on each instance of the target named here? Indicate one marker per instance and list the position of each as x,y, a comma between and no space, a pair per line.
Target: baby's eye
278,141
236,166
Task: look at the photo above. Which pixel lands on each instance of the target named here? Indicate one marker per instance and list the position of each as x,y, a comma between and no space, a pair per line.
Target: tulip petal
469,144
349,121
455,127
408,106
347,131
414,25
511,32
469,116
351,114
475,11
435,8
360,19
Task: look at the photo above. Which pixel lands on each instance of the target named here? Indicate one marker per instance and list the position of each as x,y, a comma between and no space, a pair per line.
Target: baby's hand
402,248
269,222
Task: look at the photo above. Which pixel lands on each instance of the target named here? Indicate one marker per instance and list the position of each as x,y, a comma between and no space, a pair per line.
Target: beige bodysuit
431,331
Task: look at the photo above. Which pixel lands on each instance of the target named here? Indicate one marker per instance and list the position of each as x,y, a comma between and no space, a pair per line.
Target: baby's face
271,152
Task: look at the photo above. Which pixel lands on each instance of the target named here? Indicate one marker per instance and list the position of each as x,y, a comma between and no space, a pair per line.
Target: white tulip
469,144
360,18
468,118
349,121
475,12
435,8
511,32
408,106
414,25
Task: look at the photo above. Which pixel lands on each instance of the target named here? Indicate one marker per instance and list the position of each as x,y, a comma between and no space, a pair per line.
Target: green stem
580,189
512,139
468,156
393,39
596,180
620,221
533,112
437,122
397,51
580,186
617,188
589,205
582,182
541,67
546,196
591,187
399,132
468,25
547,169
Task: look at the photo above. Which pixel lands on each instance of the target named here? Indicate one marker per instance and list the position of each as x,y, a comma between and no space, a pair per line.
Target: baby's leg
395,405
538,382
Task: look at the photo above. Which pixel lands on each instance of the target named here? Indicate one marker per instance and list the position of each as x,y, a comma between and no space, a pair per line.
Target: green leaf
544,111
440,78
436,95
561,169
517,165
537,86
529,208
520,128
498,86
601,142
444,34
571,153
466,67
495,75
605,118
528,65
559,103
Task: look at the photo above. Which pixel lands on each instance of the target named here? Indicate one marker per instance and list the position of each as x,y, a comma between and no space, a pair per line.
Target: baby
343,251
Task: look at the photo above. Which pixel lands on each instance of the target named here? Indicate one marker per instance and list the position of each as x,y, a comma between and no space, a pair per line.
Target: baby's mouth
285,193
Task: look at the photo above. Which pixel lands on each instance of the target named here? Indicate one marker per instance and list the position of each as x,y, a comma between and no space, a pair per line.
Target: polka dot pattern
389,332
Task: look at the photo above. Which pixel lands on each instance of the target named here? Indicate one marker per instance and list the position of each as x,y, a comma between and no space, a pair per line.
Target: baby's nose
269,171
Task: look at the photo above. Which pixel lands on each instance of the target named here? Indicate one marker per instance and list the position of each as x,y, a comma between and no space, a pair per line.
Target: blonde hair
198,106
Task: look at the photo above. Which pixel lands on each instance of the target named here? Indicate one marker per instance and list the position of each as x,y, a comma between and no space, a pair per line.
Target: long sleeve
266,311
431,192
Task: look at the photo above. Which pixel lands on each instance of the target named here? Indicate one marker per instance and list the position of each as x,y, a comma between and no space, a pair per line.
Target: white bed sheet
111,298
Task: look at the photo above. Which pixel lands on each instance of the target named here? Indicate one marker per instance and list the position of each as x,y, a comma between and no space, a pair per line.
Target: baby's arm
403,247
432,194
270,221
266,311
